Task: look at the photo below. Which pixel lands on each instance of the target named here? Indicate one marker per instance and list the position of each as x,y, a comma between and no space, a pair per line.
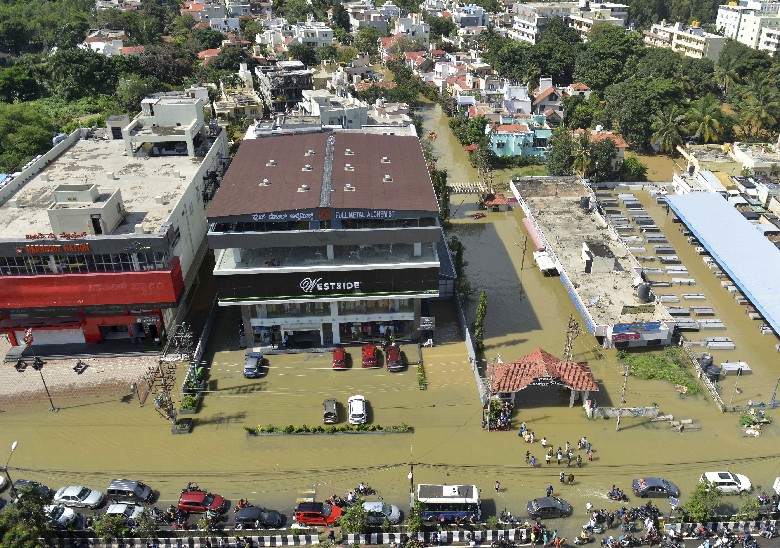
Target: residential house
753,23
578,88
530,20
516,99
208,55
238,8
527,136
224,24
203,11
132,51
383,113
414,27
261,8
312,33
469,15
105,42
281,85
389,10
334,111
690,41
238,98
362,14
588,14
598,135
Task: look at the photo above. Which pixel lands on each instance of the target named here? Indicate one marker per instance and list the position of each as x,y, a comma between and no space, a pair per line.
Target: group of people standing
560,454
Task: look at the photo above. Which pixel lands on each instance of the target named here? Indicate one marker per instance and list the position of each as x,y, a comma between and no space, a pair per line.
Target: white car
61,515
75,495
378,512
726,482
3,482
129,511
356,406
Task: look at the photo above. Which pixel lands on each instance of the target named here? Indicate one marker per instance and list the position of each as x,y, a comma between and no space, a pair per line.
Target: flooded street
93,440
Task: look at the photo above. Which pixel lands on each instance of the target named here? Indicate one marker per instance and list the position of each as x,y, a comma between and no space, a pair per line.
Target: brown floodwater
93,440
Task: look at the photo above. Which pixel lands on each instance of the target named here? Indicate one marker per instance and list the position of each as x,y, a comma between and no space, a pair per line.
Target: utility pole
572,332
411,477
623,396
739,374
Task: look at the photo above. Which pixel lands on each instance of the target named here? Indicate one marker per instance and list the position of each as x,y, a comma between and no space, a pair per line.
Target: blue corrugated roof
752,261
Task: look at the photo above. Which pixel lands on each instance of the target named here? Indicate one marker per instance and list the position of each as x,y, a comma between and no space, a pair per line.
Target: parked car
254,517
378,512
21,485
339,358
357,410
726,482
548,507
316,513
330,413
3,483
369,356
59,514
197,502
122,490
253,365
76,495
393,358
129,511
654,487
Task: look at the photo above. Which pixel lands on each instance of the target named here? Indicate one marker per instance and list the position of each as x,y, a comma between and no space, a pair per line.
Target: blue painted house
527,135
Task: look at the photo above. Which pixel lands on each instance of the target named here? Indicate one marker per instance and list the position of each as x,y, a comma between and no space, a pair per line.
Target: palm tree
725,77
582,161
704,119
760,109
666,126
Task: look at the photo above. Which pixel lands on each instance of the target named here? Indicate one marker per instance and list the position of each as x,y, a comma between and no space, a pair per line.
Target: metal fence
472,354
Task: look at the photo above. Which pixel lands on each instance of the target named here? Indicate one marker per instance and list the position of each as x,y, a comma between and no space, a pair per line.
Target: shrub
289,429
189,402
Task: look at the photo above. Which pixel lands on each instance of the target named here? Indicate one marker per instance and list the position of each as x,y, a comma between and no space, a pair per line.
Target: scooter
617,495
583,539
364,490
506,518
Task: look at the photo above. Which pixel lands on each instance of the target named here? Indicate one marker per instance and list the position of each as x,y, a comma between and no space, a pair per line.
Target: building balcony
350,257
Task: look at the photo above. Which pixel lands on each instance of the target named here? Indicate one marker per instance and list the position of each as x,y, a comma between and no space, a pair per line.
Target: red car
369,356
339,358
393,358
197,502
316,513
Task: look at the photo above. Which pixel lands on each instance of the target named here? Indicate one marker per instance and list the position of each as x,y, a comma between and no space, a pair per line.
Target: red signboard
78,290
616,337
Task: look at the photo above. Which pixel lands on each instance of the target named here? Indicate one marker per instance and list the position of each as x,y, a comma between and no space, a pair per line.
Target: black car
21,485
254,517
654,487
548,507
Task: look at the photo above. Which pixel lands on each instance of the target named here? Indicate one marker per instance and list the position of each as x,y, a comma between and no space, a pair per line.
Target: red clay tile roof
579,86
598,137
512,377
413,54
132,49
471,148
512,128
497,200
544,94
438,52
206,53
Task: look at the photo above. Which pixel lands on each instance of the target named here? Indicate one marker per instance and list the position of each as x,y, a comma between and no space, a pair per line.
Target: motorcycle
594,528
191,486
364,490
617,495
583,539
506,518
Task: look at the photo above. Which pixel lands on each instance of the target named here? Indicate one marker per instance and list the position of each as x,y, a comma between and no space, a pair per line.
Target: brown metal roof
512,377
408,187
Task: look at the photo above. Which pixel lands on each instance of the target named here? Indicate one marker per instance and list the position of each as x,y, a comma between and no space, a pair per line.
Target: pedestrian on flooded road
527,436
549,490
521,433
579,461
568,446
498,486
590,455
544,442
533,462
559,456
568,463
527,457
587,446
561,477
547,459
532,437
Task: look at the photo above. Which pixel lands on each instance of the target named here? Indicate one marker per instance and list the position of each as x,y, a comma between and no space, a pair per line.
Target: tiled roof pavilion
544,367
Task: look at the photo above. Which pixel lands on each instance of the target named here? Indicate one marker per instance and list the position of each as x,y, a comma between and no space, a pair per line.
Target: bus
449,503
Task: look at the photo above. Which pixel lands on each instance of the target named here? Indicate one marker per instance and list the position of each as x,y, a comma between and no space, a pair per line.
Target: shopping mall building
102,236
328,237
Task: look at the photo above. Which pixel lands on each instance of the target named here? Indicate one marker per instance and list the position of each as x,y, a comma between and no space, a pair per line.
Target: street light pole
38,366
7,475
411,478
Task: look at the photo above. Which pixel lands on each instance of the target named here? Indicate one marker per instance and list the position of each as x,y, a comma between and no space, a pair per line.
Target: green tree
15,33
659,63
230,59
24,132
414,521
645,13
440,26
17,84
442,192
133,88
327,52
24,523
749,506
633,170
367,40
340,19
560,160
146,523
203,39
702,503
402,44
760,109
704,118
666,126
479,324
250,29
602,156
344,37
346,54
354,520
555,52
76,73
698,78
111,526
169,63
581,160
609,56
304,53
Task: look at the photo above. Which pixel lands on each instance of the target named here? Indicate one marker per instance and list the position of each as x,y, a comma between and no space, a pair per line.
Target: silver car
76,495
357,410
61,515
129,511
378,512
